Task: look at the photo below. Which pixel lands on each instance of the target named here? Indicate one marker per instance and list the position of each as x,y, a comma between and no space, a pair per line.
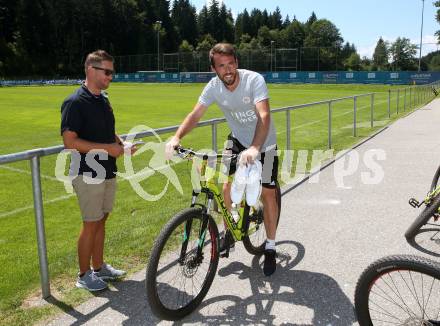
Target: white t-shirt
238,106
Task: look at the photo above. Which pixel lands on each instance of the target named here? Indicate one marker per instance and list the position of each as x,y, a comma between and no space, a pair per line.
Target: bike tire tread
155,304
382,266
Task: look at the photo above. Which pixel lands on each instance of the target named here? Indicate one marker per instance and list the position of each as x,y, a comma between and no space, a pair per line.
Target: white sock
270,244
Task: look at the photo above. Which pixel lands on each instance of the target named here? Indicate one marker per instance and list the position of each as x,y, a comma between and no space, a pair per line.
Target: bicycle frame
209,187
431,195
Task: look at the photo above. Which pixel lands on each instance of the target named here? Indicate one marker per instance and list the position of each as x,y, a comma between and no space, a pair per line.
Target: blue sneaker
91,282
107,272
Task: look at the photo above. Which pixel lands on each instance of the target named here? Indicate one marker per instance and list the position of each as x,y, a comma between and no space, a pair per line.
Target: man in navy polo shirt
88,127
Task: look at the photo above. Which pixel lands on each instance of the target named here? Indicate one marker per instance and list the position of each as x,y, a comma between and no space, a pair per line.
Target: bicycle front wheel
255,239
399,290
435,179
179,274
423,218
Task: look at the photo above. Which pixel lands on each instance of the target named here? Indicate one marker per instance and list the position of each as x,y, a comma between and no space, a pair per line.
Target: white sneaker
239,184
253,186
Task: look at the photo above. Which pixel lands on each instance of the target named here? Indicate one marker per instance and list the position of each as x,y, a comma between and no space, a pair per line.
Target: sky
359,22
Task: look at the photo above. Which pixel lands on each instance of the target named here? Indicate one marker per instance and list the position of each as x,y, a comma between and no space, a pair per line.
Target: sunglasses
107,72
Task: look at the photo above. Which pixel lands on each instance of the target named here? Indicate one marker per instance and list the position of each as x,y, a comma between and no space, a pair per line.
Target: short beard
229,83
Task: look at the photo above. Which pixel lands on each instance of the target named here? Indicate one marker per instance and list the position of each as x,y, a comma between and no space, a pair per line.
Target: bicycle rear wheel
255,240
423,218
177,277
399,290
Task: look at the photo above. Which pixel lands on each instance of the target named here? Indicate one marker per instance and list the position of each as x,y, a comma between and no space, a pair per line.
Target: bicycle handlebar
188,153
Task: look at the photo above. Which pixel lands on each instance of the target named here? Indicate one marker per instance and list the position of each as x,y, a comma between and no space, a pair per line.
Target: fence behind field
271,59
397,101
311,77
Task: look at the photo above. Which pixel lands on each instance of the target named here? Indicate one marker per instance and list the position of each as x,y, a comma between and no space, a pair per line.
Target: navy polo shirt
91,117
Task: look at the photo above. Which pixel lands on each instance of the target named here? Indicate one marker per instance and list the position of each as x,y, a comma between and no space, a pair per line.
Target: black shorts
268,159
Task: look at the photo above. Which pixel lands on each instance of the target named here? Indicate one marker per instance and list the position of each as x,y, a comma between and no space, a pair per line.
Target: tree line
51,37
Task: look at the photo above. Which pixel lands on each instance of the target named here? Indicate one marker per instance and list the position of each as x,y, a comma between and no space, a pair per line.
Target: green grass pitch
31,119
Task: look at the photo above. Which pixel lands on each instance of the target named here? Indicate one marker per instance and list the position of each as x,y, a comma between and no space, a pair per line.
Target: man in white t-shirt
243,97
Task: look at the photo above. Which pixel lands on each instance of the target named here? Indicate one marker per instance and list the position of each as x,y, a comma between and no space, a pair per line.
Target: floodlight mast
271,55
158,26
421,34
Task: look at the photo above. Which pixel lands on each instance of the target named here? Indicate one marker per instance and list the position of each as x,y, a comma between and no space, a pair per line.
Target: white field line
333,115
54,200
22,209
26,172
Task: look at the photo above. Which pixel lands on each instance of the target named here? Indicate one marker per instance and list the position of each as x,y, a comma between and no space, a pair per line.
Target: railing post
398,96
404,102
418,96
372,109
410,99
214,136
39,223
389,103
354,115
288,130
329,124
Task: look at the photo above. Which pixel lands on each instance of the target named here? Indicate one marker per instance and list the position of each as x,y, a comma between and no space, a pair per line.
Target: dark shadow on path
293,289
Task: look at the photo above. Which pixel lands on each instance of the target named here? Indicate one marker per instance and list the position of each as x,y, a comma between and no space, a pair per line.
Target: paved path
330,231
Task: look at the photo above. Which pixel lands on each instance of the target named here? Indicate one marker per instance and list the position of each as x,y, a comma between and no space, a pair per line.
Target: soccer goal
285,60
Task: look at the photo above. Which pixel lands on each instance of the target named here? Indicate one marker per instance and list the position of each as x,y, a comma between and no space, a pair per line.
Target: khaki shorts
94,200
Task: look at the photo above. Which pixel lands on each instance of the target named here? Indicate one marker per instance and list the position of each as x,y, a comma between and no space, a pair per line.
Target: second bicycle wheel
399,290
255,241
178,278
423,218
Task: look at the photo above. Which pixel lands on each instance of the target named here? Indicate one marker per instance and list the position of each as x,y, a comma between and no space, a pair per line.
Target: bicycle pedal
415,203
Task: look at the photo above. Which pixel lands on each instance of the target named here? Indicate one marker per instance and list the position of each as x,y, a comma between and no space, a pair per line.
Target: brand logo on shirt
246,100
244,116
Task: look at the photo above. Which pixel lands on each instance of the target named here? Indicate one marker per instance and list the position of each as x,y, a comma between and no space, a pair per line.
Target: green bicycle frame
208,177
208,185
431,195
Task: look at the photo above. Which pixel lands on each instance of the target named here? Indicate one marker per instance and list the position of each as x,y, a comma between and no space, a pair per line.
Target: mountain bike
403,289
431,209
185,255
399,290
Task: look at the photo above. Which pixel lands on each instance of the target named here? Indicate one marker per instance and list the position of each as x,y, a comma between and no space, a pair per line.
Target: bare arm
187,125
72,141
262,109
263,124
191,120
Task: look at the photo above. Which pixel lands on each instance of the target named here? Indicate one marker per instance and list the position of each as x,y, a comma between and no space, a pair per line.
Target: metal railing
417,95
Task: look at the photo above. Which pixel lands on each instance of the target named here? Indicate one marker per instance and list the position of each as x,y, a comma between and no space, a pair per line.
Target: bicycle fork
198,257
416,204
